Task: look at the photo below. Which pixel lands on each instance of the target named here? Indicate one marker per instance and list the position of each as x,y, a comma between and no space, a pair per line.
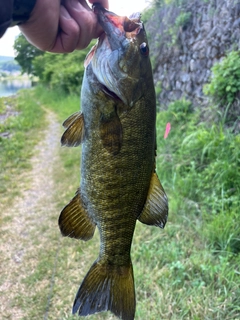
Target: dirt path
28,222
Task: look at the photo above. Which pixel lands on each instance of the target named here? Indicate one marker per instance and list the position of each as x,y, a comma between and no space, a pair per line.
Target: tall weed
199,163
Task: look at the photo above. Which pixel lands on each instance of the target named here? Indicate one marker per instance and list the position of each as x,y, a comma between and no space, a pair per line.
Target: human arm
13,12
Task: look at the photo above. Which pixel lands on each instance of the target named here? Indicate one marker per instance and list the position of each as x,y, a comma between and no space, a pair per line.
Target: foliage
225,82
58,71
183,19
200,164
160,3
147,14
227,237
181,23
25,54
180,110
61,71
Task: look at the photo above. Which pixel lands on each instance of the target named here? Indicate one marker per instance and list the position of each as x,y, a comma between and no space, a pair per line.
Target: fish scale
119,184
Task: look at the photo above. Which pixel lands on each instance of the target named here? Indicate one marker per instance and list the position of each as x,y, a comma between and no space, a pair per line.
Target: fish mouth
117,27
121,22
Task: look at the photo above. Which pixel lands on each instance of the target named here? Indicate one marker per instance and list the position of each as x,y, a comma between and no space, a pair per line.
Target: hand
62,27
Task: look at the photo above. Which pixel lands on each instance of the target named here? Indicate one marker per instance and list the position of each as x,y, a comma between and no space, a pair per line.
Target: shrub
64,72
183,20
225,82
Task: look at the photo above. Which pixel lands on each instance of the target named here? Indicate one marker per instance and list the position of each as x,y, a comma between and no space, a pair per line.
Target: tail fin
107,287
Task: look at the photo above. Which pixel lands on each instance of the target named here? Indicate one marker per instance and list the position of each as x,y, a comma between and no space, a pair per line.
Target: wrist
21,11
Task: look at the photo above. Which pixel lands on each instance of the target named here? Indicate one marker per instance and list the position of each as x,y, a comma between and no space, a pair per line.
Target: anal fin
74,221
155,211
74,134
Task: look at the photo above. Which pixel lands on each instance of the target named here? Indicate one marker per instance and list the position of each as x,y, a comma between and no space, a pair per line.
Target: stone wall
186,41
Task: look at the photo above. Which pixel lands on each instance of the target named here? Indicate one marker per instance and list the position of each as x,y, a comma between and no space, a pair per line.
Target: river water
10,87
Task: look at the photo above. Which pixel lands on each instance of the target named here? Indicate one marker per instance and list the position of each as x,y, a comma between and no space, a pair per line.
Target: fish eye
144,49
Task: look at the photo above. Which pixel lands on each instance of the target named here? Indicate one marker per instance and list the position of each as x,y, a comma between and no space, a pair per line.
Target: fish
119,184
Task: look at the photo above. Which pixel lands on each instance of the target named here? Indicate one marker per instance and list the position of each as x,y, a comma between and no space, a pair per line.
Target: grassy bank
21,118
189,270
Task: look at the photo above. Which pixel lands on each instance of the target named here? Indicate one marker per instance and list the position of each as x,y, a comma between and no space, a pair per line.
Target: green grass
200,169
189,270
67,175
23,117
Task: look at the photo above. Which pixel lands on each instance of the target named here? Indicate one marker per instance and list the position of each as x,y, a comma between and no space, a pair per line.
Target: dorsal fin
74,134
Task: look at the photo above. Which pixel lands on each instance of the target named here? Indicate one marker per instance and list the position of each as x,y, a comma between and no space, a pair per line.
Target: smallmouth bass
119,184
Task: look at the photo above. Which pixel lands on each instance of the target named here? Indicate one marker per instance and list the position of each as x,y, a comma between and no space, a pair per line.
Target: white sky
121,7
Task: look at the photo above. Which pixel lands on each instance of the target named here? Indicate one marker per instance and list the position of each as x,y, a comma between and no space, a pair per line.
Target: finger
67,38
86,20
42,26
84,4
104,3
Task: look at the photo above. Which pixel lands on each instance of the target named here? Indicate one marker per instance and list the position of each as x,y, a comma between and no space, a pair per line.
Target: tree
26,53
61,71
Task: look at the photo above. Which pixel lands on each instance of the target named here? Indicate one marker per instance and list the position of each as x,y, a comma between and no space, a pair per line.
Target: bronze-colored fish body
118,180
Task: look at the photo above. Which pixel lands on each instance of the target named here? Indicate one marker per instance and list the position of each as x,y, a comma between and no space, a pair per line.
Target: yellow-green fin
110,129
74,134
70,119
155,211
107,287
74,221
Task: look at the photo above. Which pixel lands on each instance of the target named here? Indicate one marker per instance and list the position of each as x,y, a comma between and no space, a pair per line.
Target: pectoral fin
110,129
71,119
74,134
155,210
74,221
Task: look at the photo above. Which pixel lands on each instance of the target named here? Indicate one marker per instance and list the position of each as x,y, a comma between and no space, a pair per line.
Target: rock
192,65
214,52
178,85
184,67
189,87
185,77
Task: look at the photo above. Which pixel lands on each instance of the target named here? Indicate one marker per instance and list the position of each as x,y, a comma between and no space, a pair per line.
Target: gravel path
32,214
